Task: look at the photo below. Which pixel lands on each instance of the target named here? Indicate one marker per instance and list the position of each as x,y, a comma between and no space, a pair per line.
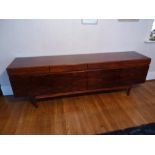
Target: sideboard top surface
25,62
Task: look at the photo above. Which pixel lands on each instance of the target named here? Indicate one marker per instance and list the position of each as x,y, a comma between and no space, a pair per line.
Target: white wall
19,38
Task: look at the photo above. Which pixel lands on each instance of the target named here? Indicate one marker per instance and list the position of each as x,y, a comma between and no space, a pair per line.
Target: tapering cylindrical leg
34,102
128,91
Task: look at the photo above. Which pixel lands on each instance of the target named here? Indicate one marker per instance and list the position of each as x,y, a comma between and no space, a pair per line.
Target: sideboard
53,76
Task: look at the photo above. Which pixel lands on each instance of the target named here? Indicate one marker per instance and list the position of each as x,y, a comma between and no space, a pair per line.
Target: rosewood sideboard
52,76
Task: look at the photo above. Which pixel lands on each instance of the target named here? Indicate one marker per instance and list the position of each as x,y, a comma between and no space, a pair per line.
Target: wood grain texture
26,62
87,114
61,75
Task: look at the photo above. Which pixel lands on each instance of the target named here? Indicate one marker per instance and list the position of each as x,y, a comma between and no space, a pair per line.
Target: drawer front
99,79
118,65
44,84
21,85
28,70
59,83
68,68
133,75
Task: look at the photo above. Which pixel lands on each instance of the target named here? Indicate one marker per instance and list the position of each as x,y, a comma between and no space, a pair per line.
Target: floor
86,114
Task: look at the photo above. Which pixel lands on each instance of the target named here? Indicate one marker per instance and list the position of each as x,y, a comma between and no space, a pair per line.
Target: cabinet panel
68,68
130,76
98,79
29,70
59,83
117,65
21,85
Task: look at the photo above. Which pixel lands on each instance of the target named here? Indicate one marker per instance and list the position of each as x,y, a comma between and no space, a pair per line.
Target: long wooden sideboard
52,76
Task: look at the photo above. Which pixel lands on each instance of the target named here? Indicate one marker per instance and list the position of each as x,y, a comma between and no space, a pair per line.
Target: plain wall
20,38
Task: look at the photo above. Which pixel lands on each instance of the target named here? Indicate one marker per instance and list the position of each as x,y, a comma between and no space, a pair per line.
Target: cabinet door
98,79
134,75
21,84
59,83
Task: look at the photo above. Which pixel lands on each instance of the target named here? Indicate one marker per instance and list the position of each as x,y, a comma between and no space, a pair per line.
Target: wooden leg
34,102
128,91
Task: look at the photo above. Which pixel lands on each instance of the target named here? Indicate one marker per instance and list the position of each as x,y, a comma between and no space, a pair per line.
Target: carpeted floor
148,129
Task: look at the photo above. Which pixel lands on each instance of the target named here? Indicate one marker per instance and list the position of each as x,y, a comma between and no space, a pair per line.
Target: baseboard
7,90
150,76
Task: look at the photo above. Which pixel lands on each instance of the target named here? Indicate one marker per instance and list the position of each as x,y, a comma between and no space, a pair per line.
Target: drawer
68,68
117,65
31,70
59,83
98,79
133,75
21,85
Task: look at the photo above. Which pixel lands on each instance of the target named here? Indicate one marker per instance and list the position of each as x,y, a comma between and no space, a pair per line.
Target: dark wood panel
21,85
68,68
98,79
117,64
131,76
77,59
29,70
76,93
59,83
41,84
